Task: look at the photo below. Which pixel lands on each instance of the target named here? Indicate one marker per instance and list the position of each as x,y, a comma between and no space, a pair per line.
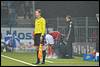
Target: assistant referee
39,32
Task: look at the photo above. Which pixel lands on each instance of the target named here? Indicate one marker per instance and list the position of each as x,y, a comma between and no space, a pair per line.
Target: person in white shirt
49,39
50,43
8,42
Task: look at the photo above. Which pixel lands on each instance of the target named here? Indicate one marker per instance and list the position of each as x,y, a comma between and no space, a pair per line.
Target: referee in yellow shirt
39,32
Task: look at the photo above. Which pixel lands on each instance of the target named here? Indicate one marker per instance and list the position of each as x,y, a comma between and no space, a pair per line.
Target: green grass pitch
31,58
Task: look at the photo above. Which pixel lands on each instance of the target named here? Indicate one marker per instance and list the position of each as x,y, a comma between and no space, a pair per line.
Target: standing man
70,35
39,32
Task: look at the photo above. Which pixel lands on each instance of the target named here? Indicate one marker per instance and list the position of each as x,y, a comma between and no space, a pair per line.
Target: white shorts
49,39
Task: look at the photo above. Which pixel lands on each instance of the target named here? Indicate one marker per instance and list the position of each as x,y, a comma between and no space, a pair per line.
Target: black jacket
71,37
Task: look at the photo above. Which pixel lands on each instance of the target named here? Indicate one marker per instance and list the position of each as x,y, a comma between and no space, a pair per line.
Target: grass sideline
31,58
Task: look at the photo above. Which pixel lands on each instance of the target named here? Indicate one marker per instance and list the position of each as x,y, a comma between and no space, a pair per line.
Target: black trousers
69,49
37,43
37,39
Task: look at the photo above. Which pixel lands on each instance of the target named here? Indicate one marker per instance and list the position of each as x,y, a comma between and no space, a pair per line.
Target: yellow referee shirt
40,26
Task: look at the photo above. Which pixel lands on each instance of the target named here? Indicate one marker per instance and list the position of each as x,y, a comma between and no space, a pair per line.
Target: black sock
44,55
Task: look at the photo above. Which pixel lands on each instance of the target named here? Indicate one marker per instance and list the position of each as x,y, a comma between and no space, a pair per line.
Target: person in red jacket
56,35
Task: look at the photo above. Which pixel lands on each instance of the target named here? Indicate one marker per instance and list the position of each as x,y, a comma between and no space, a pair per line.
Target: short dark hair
39,10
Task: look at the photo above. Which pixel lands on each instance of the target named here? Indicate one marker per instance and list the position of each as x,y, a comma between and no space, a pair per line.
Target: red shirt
56,35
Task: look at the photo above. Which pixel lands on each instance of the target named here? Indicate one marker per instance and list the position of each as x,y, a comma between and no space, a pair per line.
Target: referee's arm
43,27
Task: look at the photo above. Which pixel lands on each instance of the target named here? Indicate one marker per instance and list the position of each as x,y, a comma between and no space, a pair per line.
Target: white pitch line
49,61
18,60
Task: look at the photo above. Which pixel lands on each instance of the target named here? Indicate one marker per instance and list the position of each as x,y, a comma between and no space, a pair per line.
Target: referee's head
38,13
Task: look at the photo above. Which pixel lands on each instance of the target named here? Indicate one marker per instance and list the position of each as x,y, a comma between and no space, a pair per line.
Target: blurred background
18,17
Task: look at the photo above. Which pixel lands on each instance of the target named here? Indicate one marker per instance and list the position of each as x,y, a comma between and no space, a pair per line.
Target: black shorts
37,39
